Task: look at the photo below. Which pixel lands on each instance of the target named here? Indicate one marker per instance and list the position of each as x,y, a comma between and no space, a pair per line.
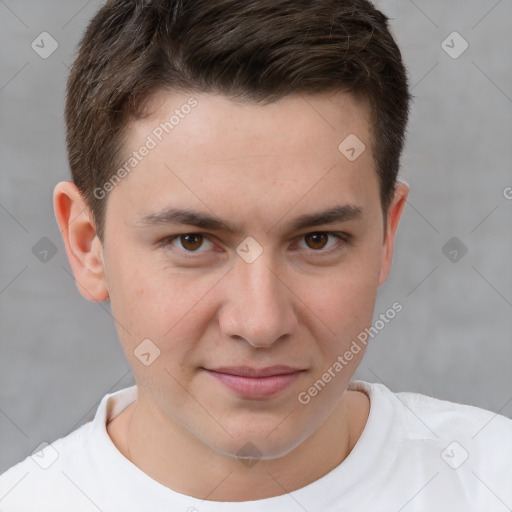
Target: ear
83,247
395,211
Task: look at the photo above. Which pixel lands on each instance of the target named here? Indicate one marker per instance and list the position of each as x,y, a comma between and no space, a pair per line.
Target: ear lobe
83,247
395,211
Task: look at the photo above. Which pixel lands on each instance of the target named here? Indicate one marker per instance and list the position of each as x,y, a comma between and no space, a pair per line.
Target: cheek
137,298
344,303
152,304
345,298
160,303
346,312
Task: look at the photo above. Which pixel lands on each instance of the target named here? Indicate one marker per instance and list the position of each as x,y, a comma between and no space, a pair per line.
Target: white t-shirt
416,453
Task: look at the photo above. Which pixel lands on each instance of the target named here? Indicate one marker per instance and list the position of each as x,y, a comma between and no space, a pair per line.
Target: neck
155,444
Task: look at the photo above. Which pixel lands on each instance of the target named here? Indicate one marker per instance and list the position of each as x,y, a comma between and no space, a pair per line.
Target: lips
255,383
247,371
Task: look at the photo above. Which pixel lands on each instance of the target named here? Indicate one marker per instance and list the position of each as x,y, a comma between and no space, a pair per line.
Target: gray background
60,353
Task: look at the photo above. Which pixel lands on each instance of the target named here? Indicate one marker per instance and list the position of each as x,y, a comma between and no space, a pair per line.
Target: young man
235,197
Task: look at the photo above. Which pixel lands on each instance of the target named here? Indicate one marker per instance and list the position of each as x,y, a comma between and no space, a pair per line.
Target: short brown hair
248,50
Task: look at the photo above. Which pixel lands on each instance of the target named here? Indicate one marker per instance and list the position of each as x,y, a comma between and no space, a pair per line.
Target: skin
261,167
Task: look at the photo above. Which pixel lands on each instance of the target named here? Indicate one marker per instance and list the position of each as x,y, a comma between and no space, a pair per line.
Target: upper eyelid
341,236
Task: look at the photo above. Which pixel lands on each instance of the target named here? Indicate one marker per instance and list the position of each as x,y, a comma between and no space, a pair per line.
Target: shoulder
434,454
43,477
72,469
463,430
421,414
468,446
450,419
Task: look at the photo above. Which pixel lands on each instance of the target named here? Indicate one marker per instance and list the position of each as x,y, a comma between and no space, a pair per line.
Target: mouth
255,383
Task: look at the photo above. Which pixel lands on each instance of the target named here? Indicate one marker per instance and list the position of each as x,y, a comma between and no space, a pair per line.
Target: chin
251,444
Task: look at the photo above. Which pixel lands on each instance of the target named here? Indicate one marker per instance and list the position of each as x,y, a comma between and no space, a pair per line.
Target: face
220,260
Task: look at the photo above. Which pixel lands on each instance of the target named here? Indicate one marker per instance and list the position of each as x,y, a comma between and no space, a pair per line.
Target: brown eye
185,244
191,241
323,243
316,240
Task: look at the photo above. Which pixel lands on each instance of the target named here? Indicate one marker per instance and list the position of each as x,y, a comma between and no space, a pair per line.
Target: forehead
207,148
330,116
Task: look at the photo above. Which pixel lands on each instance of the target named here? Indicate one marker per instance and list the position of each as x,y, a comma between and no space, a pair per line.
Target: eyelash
343,240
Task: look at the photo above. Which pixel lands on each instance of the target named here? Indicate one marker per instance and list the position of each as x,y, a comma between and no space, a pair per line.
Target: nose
259,306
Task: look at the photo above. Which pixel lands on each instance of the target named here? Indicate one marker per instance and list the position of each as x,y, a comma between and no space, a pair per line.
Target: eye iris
316,239
192,241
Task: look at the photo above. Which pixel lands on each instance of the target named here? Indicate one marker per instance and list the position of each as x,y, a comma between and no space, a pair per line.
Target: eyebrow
340,213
